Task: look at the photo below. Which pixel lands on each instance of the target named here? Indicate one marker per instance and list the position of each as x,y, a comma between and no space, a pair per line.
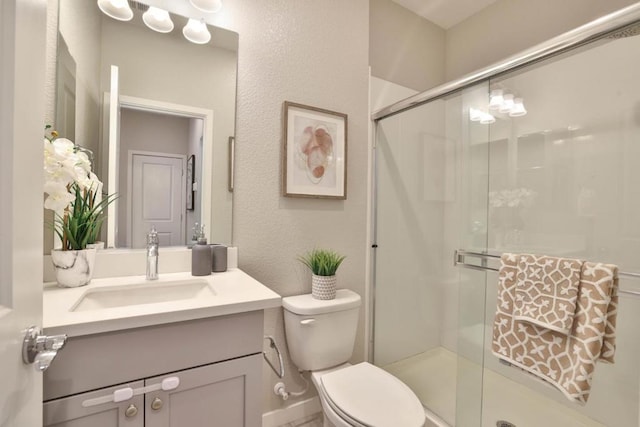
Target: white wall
314,53
80,26
509,26
405,48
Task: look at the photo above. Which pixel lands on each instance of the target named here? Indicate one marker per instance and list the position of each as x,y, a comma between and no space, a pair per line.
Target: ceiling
445,13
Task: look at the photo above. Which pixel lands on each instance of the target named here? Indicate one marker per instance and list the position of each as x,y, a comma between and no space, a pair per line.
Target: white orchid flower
58,196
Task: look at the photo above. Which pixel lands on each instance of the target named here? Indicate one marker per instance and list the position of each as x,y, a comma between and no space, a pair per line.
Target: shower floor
432,376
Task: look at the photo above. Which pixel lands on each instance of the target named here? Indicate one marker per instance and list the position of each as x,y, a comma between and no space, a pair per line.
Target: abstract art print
315,152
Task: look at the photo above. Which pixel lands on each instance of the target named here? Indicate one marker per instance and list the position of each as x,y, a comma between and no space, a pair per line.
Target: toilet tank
321,333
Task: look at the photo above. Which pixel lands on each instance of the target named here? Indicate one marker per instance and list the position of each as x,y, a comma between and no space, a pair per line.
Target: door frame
183,216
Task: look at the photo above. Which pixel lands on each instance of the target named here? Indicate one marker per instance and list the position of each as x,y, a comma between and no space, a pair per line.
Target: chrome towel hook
272,344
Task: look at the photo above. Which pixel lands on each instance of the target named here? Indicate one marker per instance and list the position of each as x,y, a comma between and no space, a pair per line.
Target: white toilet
320,337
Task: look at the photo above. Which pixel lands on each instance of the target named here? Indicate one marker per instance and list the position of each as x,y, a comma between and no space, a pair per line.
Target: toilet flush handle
307,321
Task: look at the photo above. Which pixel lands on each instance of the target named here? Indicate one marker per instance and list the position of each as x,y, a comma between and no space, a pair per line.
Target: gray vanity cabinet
204,372
73,411
213,395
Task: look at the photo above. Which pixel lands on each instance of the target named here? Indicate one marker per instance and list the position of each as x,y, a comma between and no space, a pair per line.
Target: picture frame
314,152
191,165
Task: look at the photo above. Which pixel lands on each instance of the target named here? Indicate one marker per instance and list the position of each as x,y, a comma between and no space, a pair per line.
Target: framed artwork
191,165
314,152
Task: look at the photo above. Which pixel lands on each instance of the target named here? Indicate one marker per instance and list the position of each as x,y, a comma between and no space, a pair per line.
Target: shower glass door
564,181
431,166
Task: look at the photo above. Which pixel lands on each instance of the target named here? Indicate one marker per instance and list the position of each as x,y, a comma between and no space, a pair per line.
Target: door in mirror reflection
157,198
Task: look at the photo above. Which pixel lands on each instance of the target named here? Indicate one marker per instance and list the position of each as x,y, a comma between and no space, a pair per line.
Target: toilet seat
365,395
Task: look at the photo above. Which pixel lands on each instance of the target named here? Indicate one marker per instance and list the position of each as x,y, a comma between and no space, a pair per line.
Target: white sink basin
142,293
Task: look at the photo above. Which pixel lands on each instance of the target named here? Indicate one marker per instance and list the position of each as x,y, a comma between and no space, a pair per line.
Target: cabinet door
77,410
224,394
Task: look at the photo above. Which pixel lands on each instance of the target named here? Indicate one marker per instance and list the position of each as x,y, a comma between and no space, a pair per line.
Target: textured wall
405,48
314,53
509,26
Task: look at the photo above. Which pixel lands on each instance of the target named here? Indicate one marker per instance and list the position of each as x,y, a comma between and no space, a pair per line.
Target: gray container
219,261
201,259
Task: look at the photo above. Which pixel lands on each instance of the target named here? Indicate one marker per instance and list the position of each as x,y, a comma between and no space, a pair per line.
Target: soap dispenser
201,256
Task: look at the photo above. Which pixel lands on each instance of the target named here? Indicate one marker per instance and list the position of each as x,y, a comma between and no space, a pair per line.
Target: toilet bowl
320,337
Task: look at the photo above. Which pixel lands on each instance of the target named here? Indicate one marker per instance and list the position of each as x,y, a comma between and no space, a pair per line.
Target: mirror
174,116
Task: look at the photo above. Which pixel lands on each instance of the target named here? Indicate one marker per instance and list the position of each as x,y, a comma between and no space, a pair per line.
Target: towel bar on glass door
460,254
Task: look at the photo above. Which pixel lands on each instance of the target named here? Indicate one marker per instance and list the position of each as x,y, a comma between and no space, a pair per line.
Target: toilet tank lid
307,305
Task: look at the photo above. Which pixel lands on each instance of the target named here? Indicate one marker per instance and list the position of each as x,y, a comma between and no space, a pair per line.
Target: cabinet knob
156,404
131,411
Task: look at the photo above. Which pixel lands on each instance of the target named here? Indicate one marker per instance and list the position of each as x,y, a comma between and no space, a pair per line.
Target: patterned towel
565,361
547,290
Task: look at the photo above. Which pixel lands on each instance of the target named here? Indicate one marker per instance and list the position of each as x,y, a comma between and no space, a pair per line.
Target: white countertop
227,293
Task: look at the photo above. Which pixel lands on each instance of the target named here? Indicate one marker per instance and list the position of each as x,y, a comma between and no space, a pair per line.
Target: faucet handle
152,237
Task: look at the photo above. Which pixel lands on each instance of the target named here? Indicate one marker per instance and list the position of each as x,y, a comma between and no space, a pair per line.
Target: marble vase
73,268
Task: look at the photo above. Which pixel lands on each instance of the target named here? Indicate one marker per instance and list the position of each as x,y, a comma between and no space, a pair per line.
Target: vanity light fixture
496,99
507,103
196,32
116,9
158,20
481,116
208,6
475,115
487,119
518,109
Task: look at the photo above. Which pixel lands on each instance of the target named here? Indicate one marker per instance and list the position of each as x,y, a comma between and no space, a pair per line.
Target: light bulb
209,6
196,32
518,108
116,9
496,99
475,115
158,20
507,104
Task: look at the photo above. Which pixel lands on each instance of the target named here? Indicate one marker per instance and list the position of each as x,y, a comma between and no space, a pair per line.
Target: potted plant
323,264
74,194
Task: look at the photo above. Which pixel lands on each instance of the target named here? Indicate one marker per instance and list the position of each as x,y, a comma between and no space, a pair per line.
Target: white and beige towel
547,290
565,361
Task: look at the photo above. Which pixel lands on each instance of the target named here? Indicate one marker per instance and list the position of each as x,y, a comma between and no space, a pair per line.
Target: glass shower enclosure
558,174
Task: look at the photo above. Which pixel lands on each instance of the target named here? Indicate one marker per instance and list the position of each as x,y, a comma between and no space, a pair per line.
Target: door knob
156,404
40,350
131,411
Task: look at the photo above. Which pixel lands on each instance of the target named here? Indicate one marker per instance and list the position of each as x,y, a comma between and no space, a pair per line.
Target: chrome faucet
152,254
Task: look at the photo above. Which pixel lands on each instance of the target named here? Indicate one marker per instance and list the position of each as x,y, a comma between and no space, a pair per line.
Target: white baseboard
291,413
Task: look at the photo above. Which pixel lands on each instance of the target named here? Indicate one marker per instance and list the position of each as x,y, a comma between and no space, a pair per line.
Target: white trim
291,413
113,138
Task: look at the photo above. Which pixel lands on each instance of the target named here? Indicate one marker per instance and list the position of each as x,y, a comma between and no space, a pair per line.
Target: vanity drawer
94,361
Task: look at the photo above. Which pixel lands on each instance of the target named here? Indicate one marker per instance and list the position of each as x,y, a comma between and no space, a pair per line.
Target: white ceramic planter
73,268
97,245
323,287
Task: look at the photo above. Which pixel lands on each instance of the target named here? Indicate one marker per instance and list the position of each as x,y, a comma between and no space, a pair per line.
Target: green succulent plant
322,262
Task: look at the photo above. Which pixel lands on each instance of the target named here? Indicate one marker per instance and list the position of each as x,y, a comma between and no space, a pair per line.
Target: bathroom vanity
192,358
